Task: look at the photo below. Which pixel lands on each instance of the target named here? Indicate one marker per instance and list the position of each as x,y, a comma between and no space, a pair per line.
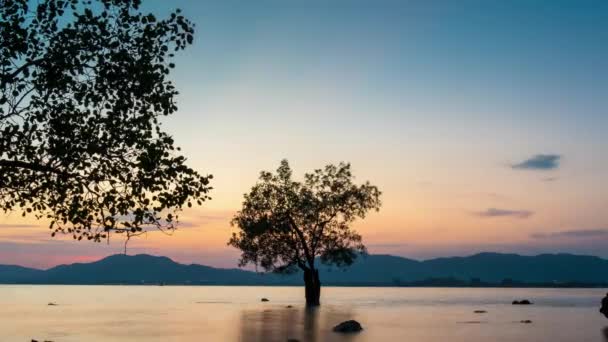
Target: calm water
168,313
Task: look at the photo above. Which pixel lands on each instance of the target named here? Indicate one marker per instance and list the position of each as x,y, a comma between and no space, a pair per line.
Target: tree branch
309,257
316,236
16,164
5,78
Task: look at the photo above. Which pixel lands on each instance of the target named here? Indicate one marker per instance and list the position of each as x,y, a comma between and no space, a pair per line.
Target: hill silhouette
17,274
484,269
143,268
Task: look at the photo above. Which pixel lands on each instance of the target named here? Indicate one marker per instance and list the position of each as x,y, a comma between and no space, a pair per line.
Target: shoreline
497,286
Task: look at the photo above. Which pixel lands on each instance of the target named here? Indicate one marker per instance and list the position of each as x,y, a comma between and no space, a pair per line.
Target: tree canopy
83,87
284,225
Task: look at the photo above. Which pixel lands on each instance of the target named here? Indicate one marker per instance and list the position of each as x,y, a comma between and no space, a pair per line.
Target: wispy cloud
218,217
13,225
386,245
580,233
539,162
495,212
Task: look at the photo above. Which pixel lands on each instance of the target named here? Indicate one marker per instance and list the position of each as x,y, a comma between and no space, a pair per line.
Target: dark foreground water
215,313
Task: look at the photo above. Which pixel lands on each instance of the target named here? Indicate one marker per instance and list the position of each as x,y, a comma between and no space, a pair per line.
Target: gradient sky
483,122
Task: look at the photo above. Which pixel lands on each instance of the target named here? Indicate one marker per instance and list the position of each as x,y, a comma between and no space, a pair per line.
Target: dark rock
525,321
522,302
480,311
293,340
348,327
52,304
289,306
265,300
604,307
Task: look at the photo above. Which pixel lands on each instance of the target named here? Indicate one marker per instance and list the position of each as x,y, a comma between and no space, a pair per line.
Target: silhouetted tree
285,225
83,86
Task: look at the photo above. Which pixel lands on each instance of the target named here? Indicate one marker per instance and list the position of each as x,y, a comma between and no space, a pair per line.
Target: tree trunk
313,287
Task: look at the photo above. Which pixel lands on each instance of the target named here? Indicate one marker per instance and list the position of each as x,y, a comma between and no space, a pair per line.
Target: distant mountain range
484,269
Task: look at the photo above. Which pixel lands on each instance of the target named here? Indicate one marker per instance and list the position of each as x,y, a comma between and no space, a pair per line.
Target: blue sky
433,101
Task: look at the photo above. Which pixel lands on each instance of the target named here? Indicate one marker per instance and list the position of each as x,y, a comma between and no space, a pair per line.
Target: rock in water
480,311
525,321
348,327
604,308
522,302
265,300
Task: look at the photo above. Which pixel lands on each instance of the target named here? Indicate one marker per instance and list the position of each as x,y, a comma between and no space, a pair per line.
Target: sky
483,123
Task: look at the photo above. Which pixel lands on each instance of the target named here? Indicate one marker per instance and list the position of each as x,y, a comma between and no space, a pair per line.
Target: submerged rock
289,306
52,304
265,300
480,311
525,321
348,327
522,302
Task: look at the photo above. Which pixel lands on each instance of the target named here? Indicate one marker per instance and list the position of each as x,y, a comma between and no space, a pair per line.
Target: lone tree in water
285,225
83,86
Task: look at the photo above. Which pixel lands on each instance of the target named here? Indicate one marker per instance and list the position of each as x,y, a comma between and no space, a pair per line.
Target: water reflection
283,324
199,313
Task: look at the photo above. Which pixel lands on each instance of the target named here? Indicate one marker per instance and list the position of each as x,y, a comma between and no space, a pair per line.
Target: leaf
89,149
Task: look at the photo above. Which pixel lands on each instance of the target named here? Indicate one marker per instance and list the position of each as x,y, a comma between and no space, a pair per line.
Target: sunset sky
483,122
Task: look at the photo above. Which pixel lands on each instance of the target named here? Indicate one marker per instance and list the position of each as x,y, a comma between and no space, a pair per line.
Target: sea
236,313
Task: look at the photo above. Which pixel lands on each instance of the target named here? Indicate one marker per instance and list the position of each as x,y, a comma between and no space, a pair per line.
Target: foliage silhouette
82,88
285,225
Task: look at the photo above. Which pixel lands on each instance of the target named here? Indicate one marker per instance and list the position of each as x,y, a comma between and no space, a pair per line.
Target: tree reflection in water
281,323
